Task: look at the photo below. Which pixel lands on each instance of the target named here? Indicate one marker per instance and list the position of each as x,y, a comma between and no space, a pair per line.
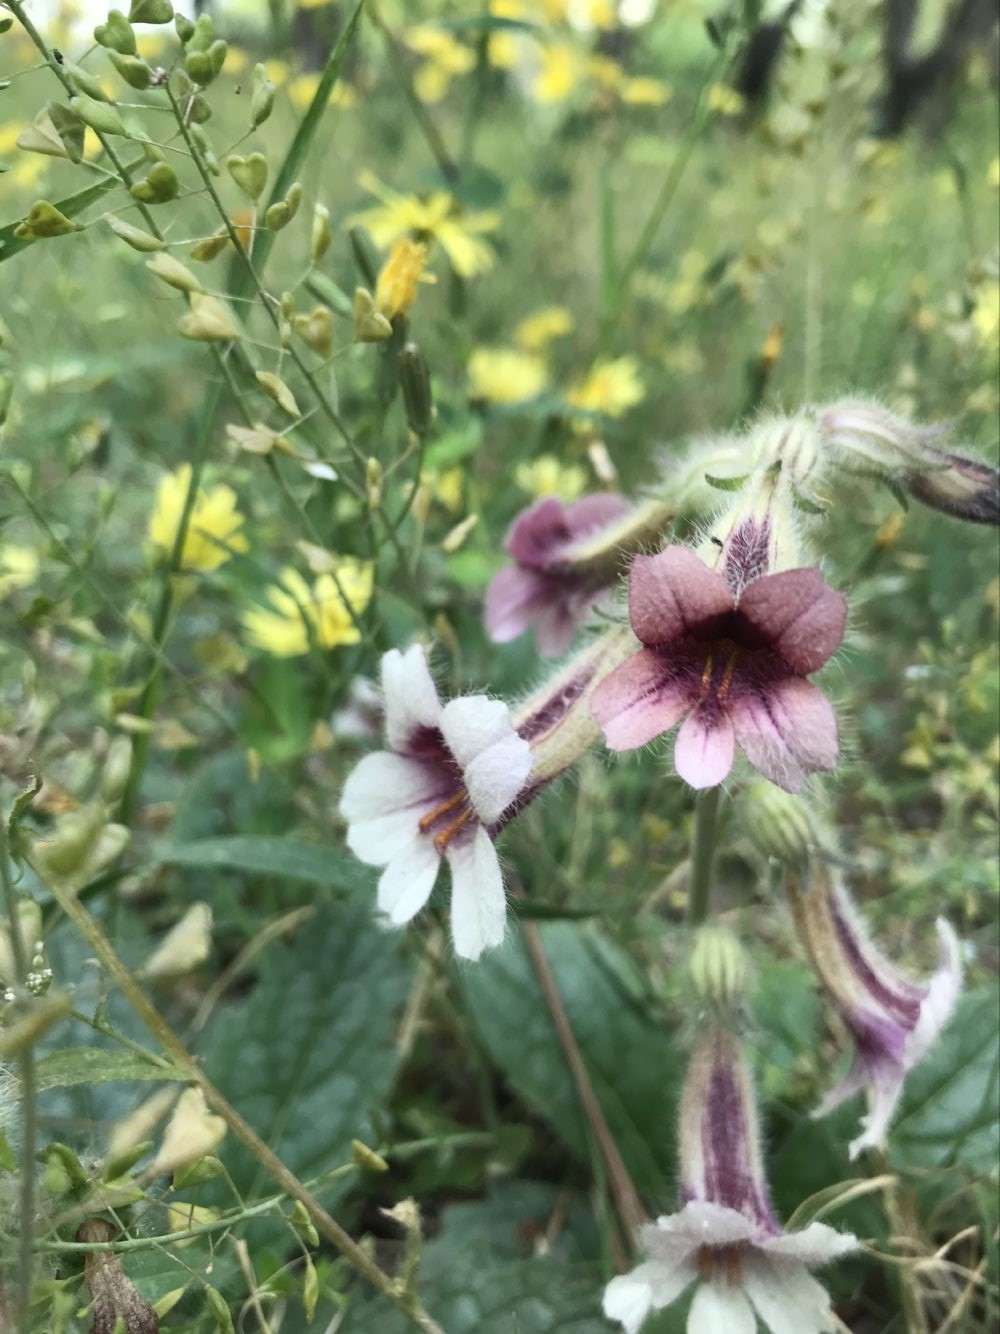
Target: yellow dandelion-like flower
320,616
536,331
560,72
505,375
213,533
437,217
645,93
18,568
396,289
444,60
237,60
612,387
986,314
547,476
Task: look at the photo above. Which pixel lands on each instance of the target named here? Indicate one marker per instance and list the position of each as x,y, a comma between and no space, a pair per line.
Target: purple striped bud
726,1237
893,1020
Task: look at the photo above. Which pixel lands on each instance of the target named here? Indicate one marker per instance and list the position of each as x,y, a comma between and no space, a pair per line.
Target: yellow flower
546,476
444,60
18,567
438,217
8,137
303,617
559,74
602,13
302,89
448,488
612,387
993,173
213,531
538,330
645,93
505,375
396,289
237,60
724,99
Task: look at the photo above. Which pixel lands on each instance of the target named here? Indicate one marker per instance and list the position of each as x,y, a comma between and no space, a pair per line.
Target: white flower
893,1020
450,773
726,1238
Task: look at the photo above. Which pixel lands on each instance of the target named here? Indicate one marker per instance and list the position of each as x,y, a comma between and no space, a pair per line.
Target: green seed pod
211,246
41,136
249,173
262,97
116,34
70,129
99,116
276,389
133,236
184,28
286,317
6,24
280,215
366,257
316,330
159,187
172,272
202,34
43,221
85,82
199,110
415,382
134,71
217,54
208,321
322,233
151,11
200,67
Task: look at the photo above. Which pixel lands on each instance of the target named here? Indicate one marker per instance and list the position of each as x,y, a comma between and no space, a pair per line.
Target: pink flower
729,653
450,773
893,1020
557,577
726,1238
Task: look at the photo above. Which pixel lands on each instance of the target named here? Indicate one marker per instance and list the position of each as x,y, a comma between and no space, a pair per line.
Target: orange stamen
432,817
727,676
442,840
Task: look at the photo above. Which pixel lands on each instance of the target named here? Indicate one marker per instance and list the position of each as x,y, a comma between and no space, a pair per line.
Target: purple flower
893,1020
726,1237
729,652
449,774
557,575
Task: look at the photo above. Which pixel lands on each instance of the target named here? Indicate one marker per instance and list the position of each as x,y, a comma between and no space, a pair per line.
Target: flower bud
116,34
367,1158
778,823
322,234
415,382
262,97
249,173
718,967
373,482
172,272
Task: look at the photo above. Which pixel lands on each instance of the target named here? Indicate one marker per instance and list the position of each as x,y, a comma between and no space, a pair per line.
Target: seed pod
280,215
262,97
159,187
133,236
249,173
151,11
6,395
202,34
43,221
84,82
212,245
370,326
415,382
275,388
316,330
208,321
70,129
116,34
373,482
322,233
184,28
172,272
99,115
134,71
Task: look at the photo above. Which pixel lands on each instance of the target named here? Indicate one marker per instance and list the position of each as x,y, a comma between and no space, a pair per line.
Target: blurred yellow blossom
536,331
547,476
986,313
602,13
612,387
724,99
237,60
18,567
505,375
437,217
444,60
993,173
396,289
645,92
304,616
447,487
214,528
560,71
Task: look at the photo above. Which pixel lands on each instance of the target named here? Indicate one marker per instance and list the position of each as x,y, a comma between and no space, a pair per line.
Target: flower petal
703,752
515,600
798,614
699,1223
672,594
411,698
942,995
406,883
650,1286
720,1309
638,701
591,513
539,534
495,761
787,732
814,1245
384,782
787,1297
377,841
478,906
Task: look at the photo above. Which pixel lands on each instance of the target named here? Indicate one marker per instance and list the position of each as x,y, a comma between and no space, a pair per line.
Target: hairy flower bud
718,968
778,823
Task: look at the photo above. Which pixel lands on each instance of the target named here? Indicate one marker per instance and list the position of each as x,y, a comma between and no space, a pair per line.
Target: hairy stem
706,818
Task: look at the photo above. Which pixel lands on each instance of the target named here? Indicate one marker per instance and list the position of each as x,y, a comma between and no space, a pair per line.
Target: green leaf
272,855
96,1065
312,1049
951,1103
290,169
638,1095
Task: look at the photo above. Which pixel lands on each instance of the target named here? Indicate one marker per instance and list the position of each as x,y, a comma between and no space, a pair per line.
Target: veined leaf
98,1065
272,855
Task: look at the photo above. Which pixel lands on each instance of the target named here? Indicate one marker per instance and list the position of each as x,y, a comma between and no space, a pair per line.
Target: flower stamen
442,839
428,821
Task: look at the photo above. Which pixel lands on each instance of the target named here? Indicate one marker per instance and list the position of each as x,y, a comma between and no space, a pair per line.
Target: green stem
26,1070
706,815
325,1224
